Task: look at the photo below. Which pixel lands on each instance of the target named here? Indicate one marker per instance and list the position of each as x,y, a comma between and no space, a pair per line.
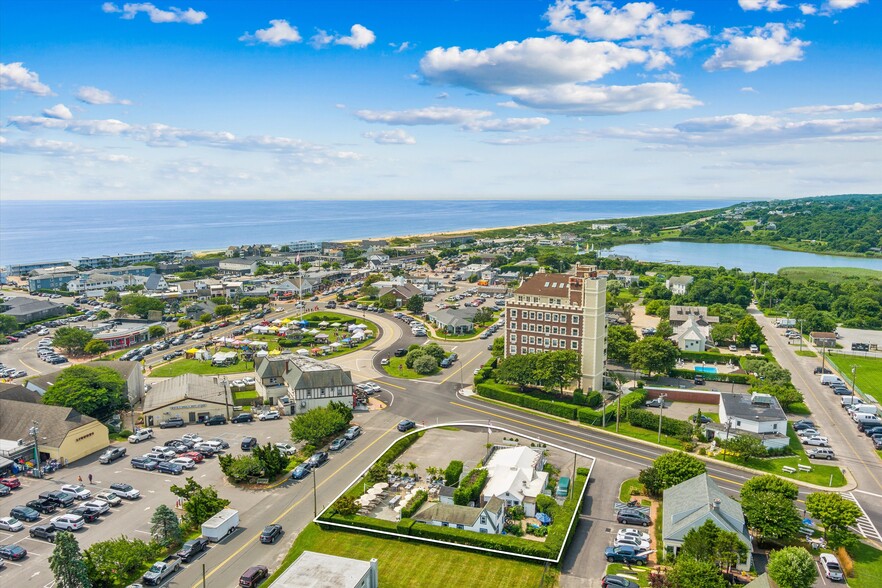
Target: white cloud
58,111
506,125
433,115
156,15
770,5
399,48
393,137
93,95
836,108
117,158
749,90
808,9
15,76
43,147
577,99
638,23
359,38
279,33
763,46
833,5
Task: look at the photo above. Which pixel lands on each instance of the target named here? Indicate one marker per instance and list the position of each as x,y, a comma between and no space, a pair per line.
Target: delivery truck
785,322
220,525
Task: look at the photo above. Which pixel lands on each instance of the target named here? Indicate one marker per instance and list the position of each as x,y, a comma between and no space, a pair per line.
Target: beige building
553,312
192,397
319,570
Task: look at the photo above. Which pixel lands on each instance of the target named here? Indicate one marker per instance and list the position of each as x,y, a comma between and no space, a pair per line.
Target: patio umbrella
374,491
323,324
285,321
302,352
381,485
543,518
365,500
335,345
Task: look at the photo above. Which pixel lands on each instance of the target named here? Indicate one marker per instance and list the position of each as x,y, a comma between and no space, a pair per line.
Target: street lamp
34,432
661,408
853,382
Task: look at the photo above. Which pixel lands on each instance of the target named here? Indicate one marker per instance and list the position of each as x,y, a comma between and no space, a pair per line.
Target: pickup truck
161,570
112,454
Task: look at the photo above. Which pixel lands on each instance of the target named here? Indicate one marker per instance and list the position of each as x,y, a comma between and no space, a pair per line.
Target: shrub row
592,400
493,390
415,503
452,473
689,374
589,416
470,489
673,427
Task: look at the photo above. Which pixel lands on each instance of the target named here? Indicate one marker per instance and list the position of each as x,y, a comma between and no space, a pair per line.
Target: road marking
870,493
863,524
388,384
462,365
284,513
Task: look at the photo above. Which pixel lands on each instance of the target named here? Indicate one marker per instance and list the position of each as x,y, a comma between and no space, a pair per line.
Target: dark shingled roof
55,422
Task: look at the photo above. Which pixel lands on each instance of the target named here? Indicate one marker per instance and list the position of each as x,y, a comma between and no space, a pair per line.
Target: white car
249,381
10,524
100,505
125,491
384,361
184,462
141,435
831,567
372,387
110,498
632,532
217,446
286,448
817,441
239,383
271,415
192,438
633,541
166,452
68,522
198,336
79,491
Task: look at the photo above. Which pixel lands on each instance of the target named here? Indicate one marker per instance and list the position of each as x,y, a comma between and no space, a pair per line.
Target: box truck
220,525
785,322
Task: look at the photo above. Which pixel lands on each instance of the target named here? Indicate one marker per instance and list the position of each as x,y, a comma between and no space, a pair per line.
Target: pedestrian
90,478
80,479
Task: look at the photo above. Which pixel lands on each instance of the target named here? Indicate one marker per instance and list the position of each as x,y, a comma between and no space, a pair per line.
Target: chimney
716,504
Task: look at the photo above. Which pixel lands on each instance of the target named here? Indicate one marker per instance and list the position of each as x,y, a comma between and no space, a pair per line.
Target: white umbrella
381,485
303,351
335,345
364,500
262,353
323,324
360,326
335,325
374,491
313,331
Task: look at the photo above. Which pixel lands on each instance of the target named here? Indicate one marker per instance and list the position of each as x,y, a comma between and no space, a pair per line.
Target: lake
747,257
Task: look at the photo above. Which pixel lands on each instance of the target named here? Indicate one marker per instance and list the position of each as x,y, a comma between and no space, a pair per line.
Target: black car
217,419
400,352
44,506
13,552
877,443
869,432
701,419
617,582
802,425
46,532
172,422
317,459
245,417
24,513
270,533
632,517
192,548
248,443
87,512
59,497
406,425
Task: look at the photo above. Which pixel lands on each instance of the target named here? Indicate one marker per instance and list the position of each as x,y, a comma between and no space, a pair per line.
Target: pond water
747,257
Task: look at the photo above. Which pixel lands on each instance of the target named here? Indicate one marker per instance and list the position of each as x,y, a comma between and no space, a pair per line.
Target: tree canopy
670,469
653,355
71,339
98,392
792,567
140,305
313,426
67,563
200,502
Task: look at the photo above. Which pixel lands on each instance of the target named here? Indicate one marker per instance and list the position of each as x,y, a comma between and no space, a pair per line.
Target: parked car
253,576
68,522
24,513
42,506
655,403
633,517
144,463
817,441
626,554
194,455
11,483
617,582
13,552
317,459
192,438
45,532
141,435
338,444
631,540
831,567
59,497
820,453
125,491
102,506
109,497
172,422
185,462
80,492
352,432
245,417
286,448
248,443
89,514
217,419
192,548
166,452
300,472
802,425
112,454
270,415
167,467
10,524
270,533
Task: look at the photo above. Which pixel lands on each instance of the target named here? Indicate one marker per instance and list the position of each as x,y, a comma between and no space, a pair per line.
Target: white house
516,477
488,519
757,415
678,284
692,335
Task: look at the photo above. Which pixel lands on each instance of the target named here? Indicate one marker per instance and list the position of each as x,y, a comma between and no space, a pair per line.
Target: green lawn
411,563
647,435
805,353
867,566
627,486
868,375
638,574
396,368
245,395
195,366
833,275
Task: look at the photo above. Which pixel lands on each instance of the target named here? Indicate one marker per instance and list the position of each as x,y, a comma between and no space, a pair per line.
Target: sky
389,99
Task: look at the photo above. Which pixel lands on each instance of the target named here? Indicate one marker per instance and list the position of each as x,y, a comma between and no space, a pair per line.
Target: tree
8,324
699,542
744,447
435,351
792,567
200,502
71,339
771,515
205,318
787,394
729,550
431,261
769,483
313,426
271,460
102,315
388,300
240,469
558,368
619,341
165,527
498,350
749,332
724,332
518,369
691,573
155,332
108,561
412,356
346,506
836,514
94,391
95,346
483,316
111,296
669,470
248,303
224,310
425,365
415,304
140,305
67,564
664,329
653,354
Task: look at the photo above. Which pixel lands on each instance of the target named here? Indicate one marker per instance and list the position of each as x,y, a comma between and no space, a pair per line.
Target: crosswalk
864,526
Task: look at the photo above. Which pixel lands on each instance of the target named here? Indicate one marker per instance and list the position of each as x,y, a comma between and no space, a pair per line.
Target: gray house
455,321
28,310
690,504
304,382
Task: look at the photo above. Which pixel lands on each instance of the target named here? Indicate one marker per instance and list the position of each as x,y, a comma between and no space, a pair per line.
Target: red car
10,483
11,339
194,455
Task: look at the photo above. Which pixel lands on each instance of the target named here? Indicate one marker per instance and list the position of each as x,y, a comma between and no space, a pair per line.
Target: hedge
361,521
592,400
589,416
415,503
711,357
690,374
495,391
452,473
470,489
672,427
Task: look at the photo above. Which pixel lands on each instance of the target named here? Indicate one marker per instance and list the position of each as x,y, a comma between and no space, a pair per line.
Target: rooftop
186,386
690,503
756,407
54,422
319,570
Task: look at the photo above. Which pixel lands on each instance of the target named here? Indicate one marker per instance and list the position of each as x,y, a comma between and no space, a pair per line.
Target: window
523,338
575,332
554,343
520,298
555,317
547,329
460,527
737,423
575,320
532,315
514,313
532,340
483,519
563,318
563,344
483,530
513,350
574,345
444,524
554,330
532,327
547,342
548,316
513,326
775,425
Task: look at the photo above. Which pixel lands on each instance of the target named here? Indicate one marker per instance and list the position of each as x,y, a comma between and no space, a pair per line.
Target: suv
632,517
141,435
68,522
217,419
144,463
192,548
248,443
172,422
125,490
113,453
352,432
406,425
820,453
245,417
253,576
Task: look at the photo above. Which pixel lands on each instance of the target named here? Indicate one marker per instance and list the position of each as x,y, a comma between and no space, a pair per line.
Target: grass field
195,366
833,275
396,368
627,486
868,375
406,563
805,353
867,567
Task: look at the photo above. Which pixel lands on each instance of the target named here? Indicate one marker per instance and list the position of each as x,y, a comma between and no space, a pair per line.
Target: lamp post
661,409
314,495
34,431
853,382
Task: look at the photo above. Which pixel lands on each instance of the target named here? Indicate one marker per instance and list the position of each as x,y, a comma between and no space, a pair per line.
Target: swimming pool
705,369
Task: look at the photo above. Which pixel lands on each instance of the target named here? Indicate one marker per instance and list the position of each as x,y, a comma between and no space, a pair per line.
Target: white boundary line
863,524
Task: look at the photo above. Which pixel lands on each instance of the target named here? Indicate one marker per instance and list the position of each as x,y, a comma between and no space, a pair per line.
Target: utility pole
853,382
661,408
35,432
314,496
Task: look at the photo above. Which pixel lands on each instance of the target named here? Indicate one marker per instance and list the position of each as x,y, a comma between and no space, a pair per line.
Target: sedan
338,444
300,472
270,533
317,459
352,432
4,490
223,444
167,467
194,455
13,552
632,532
249,381
184,462
617,582
655,403
808,433
125,490
109,497
10,524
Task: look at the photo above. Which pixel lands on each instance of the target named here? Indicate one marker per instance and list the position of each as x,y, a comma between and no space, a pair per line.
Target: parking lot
131,518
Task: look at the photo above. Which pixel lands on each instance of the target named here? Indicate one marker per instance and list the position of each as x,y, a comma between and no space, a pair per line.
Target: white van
866,419
851,401
864,409
827,379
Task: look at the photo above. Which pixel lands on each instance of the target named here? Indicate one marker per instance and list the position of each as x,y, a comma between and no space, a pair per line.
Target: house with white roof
515,476
679,284
692,336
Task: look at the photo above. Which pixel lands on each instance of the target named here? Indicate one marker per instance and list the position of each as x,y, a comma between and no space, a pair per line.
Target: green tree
787,394
271,460
165,527
792,567
412,356
218,299
248,303
699,542
483,316
185,324
769,483
749,332
744,447
425,365
727,332
71,339
670,469
140,305
111,296
498,350
653,354
415,304
619,341
200,502
8,324
558,368
435,351
346,506
771,515
691,573
102,315
240,469
388,301
729,550
316,425
518,369
431,261
96,346
109,561
155,332
67,563
94,391
205,318
224,310
836,514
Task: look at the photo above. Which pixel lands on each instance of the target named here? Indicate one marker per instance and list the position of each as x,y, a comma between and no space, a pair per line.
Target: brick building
551,312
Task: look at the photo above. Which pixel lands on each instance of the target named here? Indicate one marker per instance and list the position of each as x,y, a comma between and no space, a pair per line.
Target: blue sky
439,99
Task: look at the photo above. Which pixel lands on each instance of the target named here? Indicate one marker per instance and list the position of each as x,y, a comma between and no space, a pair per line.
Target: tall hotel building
550,312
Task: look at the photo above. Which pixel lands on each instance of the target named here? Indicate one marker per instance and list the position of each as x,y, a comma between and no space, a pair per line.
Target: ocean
33,231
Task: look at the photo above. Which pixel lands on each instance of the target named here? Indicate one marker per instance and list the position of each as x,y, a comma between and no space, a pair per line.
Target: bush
470,488
425,364
414,505
673,427
544,502
412,356
452,473
589,416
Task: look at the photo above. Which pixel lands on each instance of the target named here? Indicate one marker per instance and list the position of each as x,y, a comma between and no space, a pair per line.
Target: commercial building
125,333
51,278
756,415
24,269
553,312
131,258
239,266
193,398
455,321
28,310
319,570
306,382
823,339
